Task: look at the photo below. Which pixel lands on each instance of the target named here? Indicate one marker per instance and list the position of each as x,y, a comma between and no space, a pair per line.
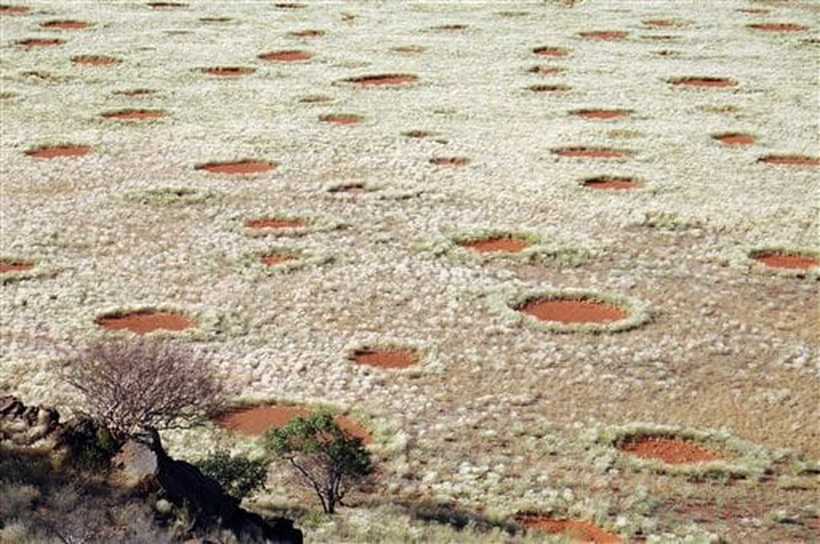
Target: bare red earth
453,162
275,259
669,450
286,56
274,223
708,82
65,25
604,35
383,80
577,531
735,139
612,184
547,51
238,168
341,119
257,420
143,322
496,245
14,10
792,262
94,60
590,153
778,27
790,160
14,266
32,43
572,311
229,71
602,115
59,151
389,358
134,115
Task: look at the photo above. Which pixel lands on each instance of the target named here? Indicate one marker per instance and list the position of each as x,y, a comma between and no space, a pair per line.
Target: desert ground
558,262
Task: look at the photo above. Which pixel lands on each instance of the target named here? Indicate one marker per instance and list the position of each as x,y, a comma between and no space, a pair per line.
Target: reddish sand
14,266
577,531
341,119
286,56
668,450
449,161
229,71
14,10
605,35
790,160
136,93
239,168
59,151
65,25
590,153
32,43
275,259
496,245
612,183
146,321
715,82
735,139
601,115
310,33
94,60
792,262
572,311
166,5
257,420
545,70
274,223
779,27
134,115
383,358
550,51
383,80
549,88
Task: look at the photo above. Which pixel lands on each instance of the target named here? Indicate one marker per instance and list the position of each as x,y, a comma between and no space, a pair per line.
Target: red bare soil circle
341,119
549,88
608,183
309,33
547,51
276,258
32,43
778,27
590,152
572,310
229,71
274,223
383,80
9,265
545,70
790,160
59,151
145,321
577,531
707,82
238,168
166,5
453,162
604,35
257,420
669,450
66,25
735,139
496,244
385,358
14,10
286,56
134,115
95,60
601,115
774,259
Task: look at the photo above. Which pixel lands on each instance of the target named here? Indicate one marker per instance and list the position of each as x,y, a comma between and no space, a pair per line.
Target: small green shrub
238,475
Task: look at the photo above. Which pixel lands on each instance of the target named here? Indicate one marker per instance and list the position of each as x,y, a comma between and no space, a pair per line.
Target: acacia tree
323,456
132,387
